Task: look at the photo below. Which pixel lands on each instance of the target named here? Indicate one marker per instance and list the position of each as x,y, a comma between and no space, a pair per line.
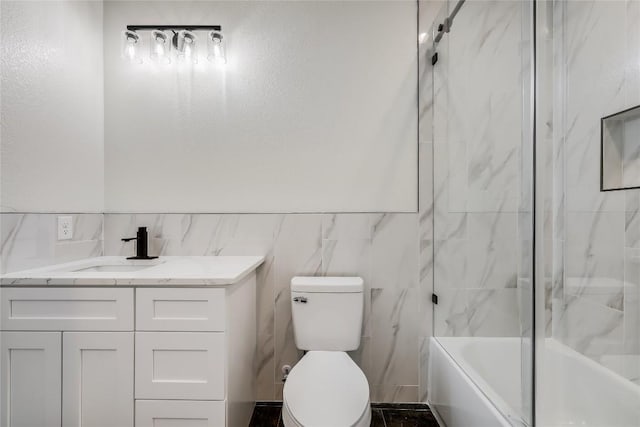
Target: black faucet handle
142,244
141,234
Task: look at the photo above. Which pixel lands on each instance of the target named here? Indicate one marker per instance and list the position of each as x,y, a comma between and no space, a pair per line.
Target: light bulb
216,48
186,46
131,47
160,47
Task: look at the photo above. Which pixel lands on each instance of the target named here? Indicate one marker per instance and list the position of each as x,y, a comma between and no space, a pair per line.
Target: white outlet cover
65,227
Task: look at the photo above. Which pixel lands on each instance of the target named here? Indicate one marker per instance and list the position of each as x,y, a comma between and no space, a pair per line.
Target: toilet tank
327,312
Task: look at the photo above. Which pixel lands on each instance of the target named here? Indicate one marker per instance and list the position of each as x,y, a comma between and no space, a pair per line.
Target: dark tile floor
268,414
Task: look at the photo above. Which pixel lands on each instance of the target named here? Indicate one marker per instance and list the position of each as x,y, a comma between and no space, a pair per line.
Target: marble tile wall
595,305
30,240
384,249
381,248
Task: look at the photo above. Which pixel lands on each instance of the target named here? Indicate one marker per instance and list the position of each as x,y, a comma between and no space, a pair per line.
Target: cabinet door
30,389
97,390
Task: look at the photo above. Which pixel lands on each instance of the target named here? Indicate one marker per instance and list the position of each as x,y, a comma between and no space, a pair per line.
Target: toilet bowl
326,389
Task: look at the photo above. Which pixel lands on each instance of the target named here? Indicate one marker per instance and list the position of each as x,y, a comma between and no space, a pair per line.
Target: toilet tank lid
327,284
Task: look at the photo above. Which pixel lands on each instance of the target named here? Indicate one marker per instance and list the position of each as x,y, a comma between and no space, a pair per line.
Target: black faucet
142,244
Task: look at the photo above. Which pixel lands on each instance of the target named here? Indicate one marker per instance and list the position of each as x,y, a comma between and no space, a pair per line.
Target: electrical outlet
65,227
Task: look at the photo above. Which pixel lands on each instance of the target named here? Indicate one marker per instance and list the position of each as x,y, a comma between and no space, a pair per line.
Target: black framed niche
620,150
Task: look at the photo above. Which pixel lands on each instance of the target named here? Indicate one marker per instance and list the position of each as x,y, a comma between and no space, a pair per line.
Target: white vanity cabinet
195,355
66,377
128,356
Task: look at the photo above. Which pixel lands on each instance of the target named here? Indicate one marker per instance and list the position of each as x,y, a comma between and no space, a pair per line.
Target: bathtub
476,382
460,396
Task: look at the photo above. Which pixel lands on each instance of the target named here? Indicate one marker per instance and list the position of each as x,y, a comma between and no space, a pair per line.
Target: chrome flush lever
300,299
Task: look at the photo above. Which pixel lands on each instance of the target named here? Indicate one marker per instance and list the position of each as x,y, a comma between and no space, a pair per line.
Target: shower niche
620,150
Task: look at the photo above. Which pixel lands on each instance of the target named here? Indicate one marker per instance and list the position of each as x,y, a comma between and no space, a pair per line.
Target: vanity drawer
174,309
180,365
182,413
66,309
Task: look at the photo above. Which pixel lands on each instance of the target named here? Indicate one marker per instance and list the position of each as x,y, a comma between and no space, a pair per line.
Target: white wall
315,111
51,108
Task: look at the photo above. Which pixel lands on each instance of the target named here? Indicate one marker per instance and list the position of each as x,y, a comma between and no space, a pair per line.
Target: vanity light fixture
216,48
160,47
131,47
179,38
186,47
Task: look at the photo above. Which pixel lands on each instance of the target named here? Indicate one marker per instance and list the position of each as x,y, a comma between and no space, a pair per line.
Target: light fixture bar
174,27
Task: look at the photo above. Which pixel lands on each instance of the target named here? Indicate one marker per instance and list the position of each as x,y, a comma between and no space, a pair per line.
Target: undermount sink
111,268
108,265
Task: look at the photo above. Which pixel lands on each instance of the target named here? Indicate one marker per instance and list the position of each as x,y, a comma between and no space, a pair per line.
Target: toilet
326,388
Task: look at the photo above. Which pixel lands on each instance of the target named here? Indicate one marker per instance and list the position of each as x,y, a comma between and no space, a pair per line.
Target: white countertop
163,271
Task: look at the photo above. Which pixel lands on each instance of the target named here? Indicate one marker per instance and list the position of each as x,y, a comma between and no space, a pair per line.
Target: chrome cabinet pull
300,299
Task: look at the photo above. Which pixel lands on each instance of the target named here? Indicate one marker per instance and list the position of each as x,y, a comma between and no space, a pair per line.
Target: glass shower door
588,356
483,199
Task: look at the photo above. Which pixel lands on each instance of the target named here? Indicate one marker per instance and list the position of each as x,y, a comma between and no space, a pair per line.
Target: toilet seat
326,389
